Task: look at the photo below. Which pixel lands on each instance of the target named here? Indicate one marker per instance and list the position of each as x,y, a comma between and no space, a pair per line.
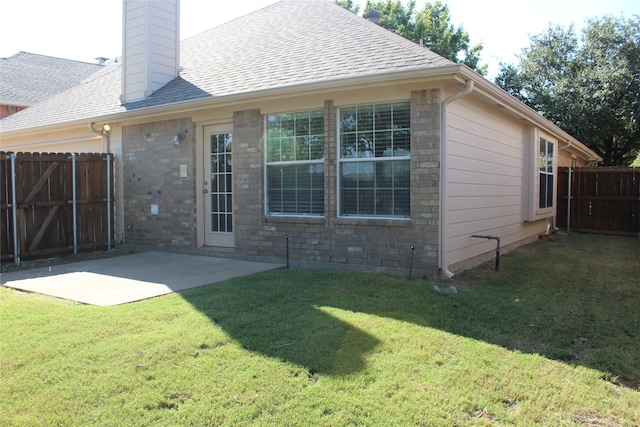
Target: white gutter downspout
444,265
104,133
569,144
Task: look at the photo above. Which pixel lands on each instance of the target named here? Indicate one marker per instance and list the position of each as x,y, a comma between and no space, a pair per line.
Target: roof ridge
22,52
236,18
287,44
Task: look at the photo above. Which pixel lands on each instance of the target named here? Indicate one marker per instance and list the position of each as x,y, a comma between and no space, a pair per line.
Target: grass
552,339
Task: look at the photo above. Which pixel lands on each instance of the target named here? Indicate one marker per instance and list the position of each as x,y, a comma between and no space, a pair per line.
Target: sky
83,30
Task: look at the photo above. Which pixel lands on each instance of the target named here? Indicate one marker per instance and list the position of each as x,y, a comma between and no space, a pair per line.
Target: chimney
373,16
150,46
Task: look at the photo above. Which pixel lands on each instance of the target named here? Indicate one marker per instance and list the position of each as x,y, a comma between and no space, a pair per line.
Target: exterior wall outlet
183,171
154,209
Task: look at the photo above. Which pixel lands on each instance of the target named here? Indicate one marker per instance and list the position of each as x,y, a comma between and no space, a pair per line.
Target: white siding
486,178
150,46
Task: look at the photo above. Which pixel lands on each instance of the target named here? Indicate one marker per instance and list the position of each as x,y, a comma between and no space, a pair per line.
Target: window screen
546,174
295,163
375,153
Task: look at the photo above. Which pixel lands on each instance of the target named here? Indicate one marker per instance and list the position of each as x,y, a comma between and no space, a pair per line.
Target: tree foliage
430,26
588,85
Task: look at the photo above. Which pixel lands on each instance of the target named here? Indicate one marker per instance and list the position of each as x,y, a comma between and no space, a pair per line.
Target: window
546,174
375,165
295,163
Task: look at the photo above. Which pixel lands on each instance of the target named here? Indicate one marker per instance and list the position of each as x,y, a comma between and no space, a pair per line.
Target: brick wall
7,110
151,166
371,244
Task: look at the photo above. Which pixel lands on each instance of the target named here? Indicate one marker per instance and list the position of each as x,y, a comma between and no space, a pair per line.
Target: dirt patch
8,267
591,419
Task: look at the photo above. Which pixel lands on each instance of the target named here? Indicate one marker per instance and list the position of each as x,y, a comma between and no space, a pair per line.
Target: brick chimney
150,46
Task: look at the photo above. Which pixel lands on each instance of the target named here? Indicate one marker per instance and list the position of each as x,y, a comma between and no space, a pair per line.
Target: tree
589,86
348,4
434,31
430,27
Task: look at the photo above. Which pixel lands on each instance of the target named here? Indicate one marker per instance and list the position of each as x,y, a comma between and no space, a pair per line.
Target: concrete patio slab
128,278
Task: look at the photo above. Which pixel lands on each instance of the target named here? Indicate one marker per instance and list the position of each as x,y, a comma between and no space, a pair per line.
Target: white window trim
340,160
531,177
285,163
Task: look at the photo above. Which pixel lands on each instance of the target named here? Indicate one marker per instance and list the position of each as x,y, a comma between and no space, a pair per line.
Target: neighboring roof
28,78
289,43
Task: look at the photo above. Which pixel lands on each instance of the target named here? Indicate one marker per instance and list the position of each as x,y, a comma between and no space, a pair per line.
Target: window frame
532,211
284,163
547,173
341,161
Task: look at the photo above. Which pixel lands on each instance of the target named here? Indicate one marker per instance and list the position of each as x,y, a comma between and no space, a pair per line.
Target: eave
457,73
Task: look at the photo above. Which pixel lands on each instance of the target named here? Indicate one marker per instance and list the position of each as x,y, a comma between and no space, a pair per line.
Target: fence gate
601,200
54,204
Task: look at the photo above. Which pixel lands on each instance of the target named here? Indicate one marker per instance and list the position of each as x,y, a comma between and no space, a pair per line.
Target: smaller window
295,163
546,174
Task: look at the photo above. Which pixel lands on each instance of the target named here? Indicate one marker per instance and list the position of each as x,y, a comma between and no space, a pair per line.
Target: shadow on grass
552,299
276,315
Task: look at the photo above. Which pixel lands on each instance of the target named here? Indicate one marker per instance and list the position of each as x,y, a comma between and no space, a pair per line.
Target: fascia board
515,106
373,80
16,102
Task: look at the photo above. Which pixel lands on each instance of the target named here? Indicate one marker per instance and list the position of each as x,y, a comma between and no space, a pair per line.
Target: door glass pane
220,183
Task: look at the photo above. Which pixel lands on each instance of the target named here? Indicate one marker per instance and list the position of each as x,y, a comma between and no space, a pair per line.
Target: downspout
104,133
444,140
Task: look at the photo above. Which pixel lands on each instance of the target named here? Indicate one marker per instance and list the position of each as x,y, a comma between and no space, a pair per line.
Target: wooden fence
54,204
602,200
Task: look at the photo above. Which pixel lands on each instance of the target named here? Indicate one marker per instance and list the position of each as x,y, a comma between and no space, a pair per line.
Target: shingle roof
293,42
31,78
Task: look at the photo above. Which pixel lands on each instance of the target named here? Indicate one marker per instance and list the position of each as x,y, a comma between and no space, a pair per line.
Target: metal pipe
287,237
411,263
569,203
75,205
497,247
14,210
109,201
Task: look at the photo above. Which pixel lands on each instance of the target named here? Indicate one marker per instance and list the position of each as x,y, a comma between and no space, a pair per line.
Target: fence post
75,205
109,201
14,210
569,201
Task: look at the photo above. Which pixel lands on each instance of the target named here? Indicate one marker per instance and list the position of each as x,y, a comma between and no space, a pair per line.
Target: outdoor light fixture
178,138
106,128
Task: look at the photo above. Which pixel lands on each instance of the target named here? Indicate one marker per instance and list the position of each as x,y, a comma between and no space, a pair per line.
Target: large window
546,174
375,165
295,163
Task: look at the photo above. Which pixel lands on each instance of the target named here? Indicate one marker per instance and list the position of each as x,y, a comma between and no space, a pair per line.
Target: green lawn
553,340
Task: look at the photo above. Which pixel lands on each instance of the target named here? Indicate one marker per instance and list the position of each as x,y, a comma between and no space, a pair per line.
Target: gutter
444,265
302,89
520,109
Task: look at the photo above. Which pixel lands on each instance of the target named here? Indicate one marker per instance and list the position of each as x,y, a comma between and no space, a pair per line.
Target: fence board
603,200
44,200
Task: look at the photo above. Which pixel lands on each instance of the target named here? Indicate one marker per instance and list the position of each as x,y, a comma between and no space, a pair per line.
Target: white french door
218,186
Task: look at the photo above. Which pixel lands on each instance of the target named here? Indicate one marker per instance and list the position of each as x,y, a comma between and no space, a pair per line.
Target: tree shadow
277,314
281,319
